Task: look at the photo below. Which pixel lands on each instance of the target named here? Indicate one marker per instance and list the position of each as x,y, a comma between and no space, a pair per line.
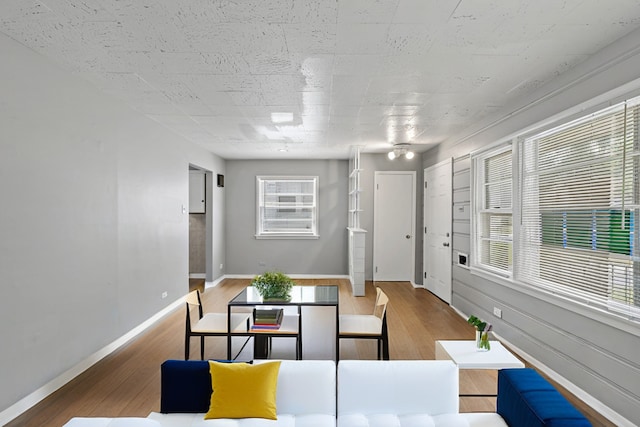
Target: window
580,196
492,208
287,207
560,210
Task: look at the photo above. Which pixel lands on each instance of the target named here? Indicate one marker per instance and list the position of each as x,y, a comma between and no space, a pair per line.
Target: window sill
287,236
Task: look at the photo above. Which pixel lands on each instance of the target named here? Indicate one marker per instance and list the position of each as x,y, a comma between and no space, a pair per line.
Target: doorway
438,229
200,236
394,212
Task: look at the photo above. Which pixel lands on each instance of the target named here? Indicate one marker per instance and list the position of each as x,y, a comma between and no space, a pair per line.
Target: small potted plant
273,285
482,333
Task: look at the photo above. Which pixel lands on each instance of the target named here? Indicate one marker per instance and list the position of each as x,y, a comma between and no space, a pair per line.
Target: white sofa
418,393
404,393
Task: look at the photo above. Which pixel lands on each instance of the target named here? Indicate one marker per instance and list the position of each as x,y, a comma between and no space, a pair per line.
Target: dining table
316,308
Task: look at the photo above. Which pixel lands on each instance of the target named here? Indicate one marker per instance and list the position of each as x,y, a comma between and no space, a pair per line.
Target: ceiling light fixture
400,150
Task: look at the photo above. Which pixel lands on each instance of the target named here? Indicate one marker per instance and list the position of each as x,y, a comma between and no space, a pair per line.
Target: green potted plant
273,285
482,333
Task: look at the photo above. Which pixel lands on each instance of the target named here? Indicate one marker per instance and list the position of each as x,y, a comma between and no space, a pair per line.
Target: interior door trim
413,175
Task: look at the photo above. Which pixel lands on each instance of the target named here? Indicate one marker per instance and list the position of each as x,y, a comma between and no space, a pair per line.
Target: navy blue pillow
185,386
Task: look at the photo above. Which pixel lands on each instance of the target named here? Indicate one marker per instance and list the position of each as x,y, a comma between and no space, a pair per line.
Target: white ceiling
344,72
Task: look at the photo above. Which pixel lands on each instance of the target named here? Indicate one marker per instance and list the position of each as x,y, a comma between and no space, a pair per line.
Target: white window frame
592,292
619,315
265,232
478,210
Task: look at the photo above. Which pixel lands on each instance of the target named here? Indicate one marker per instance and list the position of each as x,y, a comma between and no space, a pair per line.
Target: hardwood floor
127,382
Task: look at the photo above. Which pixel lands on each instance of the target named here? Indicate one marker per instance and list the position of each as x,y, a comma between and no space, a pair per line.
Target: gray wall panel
461,164
462,212
462,179
462,195
461,243
462,227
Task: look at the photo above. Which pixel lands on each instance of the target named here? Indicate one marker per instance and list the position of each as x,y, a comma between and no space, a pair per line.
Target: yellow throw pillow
242,390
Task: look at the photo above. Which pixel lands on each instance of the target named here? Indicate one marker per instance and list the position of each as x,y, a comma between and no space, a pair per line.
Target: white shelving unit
354,198
356,234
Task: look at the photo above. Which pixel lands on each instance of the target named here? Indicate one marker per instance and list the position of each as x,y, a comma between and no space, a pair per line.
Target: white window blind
493,228
286,206
579,210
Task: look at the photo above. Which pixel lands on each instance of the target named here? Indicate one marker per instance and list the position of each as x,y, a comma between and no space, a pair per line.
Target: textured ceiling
247,79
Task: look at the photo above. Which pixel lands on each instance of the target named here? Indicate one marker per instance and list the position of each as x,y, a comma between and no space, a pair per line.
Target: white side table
466,356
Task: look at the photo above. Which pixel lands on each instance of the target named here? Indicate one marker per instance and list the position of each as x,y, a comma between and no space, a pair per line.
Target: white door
438,229
394,207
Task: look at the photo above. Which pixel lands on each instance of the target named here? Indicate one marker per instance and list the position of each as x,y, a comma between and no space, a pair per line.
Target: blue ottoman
526,399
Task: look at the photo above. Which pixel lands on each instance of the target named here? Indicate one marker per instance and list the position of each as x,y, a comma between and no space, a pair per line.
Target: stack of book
267,318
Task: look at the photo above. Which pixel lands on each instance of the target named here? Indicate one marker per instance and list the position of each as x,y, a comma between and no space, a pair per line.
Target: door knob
408,236
445,244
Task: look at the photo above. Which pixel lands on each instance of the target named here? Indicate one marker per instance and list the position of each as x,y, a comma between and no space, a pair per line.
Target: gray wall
92,229
596,352
247,255
370,163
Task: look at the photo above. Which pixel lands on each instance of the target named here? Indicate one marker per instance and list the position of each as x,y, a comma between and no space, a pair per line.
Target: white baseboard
215,283
34,398
197,276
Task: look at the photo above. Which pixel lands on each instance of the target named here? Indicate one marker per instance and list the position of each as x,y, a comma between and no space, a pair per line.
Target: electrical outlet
220,266
497,312
164,294
262,264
